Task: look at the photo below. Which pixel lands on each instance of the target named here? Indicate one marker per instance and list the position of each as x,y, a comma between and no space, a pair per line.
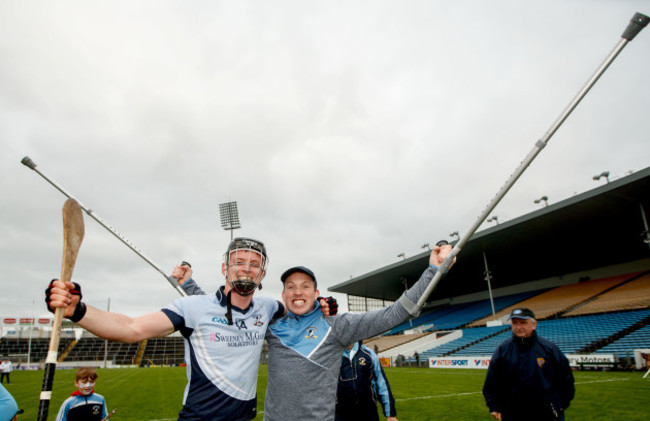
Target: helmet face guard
246,263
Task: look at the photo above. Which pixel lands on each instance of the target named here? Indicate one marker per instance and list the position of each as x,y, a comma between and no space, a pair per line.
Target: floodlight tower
488,277
229,217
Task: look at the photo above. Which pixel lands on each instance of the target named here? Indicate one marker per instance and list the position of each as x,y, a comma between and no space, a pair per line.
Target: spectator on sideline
8,406
306,341
223,332
361,383
5,370
528,378
84,404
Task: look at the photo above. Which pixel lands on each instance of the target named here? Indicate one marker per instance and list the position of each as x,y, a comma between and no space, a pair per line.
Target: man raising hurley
223,333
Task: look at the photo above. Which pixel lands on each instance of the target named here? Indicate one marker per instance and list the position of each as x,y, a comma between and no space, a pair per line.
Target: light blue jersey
222,360
80,407
8,406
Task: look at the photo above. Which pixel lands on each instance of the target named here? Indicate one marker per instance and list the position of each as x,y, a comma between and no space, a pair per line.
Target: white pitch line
603,381
438,396
477,393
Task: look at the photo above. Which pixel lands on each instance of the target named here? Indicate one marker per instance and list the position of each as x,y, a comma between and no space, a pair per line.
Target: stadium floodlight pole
637,23
646,232
173,281
488,276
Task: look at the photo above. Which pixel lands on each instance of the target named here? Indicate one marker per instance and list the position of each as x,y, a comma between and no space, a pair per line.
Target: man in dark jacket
362,382
528,378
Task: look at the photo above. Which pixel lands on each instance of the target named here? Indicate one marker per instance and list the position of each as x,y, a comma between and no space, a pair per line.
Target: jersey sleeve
381,386
63,411
191,287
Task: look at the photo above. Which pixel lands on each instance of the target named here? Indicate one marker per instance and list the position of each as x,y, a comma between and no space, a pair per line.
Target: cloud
347,133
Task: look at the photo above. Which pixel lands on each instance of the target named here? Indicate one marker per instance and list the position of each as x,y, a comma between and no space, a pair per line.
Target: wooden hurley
73,234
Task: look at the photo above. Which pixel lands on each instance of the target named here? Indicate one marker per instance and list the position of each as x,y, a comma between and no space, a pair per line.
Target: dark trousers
2,377
356,413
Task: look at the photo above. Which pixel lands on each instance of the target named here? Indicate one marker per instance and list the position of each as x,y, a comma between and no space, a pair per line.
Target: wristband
79,312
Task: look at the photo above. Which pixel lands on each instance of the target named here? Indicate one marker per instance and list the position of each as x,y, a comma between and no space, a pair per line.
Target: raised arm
354,327
112,326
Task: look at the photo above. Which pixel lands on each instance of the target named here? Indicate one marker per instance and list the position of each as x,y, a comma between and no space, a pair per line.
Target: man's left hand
328,305
439,253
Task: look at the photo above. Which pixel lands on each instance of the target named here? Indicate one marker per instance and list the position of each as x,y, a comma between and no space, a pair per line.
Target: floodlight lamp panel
229,216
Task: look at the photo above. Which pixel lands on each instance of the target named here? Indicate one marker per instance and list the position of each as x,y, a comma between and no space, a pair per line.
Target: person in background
84,404
5,370
528,378
362,383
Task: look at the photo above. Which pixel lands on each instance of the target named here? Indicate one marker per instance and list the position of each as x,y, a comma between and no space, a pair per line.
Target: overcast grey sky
347,131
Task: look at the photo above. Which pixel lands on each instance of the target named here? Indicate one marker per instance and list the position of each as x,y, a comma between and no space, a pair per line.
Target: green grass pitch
147,394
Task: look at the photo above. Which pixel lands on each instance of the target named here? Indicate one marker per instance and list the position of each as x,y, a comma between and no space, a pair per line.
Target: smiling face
299,293
85,386
244,271
523,328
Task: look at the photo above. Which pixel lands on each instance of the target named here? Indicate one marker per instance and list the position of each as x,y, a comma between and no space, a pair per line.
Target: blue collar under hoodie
305,333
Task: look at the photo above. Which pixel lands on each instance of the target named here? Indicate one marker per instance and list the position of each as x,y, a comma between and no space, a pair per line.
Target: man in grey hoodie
305,347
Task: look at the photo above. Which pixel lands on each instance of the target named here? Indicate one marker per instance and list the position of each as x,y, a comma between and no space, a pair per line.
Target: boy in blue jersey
223,332
84,404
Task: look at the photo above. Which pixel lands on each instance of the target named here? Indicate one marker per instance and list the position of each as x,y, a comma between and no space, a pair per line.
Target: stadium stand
92,348
159,351
470,337
638,339
384,343
454,316
38,348
558,300
635,293
572,335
